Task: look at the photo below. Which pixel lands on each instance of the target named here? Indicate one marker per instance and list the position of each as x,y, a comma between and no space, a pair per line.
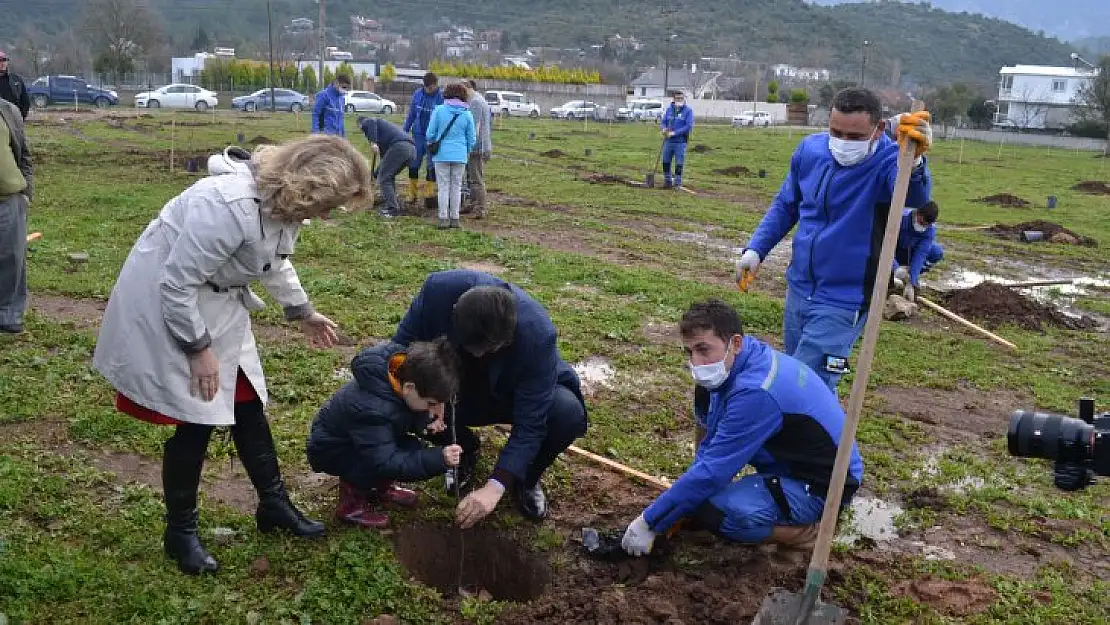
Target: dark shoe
533,502
443,224
455,223
12,329
355,509
181,466
255,444
183,546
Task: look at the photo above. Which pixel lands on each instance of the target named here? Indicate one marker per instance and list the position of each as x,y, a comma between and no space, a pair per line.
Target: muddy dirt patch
490,562
82,313
604,179
663,333
1050,232
961,414
953,598
995,305
262,140
701,148
492,268
1096,187
1005,199
554,154
735,170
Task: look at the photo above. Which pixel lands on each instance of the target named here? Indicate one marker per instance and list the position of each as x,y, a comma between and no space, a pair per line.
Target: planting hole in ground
492,562
1005,199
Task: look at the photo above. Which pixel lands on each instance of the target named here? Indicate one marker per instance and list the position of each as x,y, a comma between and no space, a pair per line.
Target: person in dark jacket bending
511,373
366,434
396,150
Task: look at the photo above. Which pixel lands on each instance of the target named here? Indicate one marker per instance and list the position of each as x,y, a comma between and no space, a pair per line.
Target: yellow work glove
916,126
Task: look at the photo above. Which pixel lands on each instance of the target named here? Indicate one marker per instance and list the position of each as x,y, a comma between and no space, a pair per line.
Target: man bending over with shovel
764,409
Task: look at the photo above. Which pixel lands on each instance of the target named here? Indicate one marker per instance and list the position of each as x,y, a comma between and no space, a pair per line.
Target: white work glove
902,274
638,538
749,262
908,293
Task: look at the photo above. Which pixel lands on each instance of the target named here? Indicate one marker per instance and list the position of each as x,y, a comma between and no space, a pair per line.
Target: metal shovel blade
649,181
781,608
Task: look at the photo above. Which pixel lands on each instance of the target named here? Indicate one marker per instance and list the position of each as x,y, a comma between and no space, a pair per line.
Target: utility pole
863,64
667,65
323,41
270,26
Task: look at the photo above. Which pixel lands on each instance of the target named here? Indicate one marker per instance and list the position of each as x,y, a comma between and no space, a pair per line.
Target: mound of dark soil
1093,186
604,179
735,170
927,497
994,305
1005,199
701,148
262,140
553,153
1053,232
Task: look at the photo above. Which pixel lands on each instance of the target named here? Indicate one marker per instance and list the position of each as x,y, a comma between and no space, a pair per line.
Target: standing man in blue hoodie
424,101
676,124
918,250
838,192
331,102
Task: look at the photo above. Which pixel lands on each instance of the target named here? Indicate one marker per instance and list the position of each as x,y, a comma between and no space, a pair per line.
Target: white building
661,82
1038,96
800,73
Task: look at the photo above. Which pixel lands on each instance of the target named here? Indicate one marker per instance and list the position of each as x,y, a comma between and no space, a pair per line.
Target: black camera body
1080,447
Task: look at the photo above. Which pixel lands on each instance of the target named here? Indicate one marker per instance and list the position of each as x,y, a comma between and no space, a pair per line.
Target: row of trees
244,75
546,74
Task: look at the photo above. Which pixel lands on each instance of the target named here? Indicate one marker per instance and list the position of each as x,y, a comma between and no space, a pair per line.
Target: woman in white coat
176,339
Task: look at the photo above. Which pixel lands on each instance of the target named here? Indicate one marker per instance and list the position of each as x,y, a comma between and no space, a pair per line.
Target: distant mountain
1066,19
1094,45
909,44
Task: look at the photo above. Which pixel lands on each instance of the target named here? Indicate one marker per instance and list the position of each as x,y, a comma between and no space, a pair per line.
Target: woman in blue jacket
452,127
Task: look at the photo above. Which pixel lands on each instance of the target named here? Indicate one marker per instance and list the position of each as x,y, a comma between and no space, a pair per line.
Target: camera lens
1049,436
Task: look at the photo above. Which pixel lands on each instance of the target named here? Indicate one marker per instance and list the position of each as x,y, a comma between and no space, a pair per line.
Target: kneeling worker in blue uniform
764,409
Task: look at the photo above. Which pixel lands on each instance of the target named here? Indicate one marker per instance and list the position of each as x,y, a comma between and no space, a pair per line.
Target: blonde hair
309,177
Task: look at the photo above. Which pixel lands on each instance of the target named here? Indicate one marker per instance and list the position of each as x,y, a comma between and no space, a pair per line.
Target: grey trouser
449,176
13,259
396,158
476,176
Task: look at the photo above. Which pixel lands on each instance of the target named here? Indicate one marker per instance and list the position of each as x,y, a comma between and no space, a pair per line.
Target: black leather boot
255,445
532,502
183,457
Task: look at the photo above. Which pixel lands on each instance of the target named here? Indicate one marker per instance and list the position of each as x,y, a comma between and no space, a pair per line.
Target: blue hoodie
327,113
456,143
914,245
680,120
772,413
420,111
841,214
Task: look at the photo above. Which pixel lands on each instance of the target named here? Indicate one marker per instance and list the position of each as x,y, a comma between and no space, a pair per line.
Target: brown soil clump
262,140
701,148
1005,199
1093,186
952,598
995,305
604,179
735,170
1053,232
554,153
928,498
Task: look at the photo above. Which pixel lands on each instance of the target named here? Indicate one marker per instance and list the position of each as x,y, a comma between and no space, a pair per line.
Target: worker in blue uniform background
676,124
917,251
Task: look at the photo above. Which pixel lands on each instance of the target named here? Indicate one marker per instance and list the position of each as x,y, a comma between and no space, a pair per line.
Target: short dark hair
485,317
431,79
455,90
715,315
343,79
859,100
929,212
473,85
433,367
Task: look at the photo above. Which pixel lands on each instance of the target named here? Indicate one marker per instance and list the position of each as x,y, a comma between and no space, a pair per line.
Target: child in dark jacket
366,434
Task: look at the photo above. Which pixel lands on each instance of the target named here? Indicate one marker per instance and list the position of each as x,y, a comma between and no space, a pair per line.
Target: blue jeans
421,150
745,511
933,258
674,151
818,334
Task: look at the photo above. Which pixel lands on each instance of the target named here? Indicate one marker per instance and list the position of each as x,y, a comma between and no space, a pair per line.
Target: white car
177,96
641,111
364,101
755,118
512,104
575,109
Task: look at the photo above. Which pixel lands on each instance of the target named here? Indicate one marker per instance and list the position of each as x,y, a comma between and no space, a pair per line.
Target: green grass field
80,516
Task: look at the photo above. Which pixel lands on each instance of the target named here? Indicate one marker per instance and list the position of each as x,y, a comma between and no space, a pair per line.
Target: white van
511,103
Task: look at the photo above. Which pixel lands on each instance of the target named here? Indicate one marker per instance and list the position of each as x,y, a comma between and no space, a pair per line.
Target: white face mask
849,153
918,227
713,375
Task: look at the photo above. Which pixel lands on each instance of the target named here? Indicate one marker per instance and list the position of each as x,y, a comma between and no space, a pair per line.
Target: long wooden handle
820,559
964,322
1032,283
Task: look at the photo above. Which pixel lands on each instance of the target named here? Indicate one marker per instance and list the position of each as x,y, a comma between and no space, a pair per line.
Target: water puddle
595,373
779,256
872,519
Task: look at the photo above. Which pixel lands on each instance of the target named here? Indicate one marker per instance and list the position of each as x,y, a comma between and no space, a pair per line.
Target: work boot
455,223
389,492
443,224
667,182
255,445
181,466
532,501
799,537
355,509
413,192
677,182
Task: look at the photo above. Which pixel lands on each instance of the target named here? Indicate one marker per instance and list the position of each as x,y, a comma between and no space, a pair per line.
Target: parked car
49,90
575,109
512,104
754,118
364,101
284,100
641,111
177,96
